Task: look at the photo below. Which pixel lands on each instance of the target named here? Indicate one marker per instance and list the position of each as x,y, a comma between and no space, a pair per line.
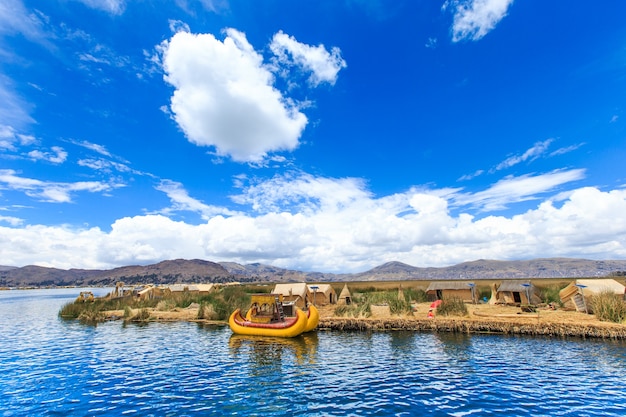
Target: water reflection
264,351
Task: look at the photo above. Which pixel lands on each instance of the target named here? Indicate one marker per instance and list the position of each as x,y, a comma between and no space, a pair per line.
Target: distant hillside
490,269
200,271
166,272
6,268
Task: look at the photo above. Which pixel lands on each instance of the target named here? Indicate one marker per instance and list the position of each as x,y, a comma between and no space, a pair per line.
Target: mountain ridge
203,271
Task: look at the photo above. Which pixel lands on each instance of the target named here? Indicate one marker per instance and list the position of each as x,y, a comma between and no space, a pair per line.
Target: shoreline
470,326
571,324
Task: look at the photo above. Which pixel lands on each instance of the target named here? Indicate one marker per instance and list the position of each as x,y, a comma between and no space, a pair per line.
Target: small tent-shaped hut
297,292
578,293
438,290
323,294
517,292
345,297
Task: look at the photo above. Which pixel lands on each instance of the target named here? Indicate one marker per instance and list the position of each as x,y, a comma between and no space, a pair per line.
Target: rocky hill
166,272
201,271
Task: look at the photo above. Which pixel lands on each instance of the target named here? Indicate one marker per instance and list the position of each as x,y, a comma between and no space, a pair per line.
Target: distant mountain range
200,271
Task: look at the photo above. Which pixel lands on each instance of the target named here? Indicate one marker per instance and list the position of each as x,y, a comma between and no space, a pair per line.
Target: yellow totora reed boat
267,317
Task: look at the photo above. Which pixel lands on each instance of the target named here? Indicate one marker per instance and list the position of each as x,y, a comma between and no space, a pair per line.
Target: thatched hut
201,289
149,292
438,290
578,293
298,292
323,294
517,292
345,297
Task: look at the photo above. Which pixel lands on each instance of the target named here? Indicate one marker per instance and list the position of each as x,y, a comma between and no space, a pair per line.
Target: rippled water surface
53,367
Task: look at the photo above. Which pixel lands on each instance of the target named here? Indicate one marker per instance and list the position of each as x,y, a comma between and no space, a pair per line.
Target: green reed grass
608,306
452,306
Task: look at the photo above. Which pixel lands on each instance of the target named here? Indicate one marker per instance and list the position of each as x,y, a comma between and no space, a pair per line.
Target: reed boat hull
313,319
291,327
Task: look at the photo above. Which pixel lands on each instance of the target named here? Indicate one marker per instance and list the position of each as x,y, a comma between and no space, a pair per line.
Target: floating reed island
460,325
556,309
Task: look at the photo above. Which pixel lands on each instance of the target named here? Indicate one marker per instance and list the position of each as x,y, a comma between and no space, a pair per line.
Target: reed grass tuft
608,306
452,306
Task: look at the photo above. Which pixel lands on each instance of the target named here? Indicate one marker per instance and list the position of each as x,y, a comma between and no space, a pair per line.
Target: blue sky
325,136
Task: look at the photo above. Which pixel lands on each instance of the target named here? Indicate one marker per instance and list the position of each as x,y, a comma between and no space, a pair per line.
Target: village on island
578,308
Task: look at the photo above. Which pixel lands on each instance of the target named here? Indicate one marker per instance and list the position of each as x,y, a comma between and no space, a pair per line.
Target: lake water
53,367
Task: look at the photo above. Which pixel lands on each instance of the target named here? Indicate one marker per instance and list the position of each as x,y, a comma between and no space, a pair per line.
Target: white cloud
101,149
468,177
14,111
342,227
224,97
531,154
178,26
517,189
301,192
473,19
57,156
49,191
114,7
323,65
16,19
13,221
566,149
431,43
182,201
214,6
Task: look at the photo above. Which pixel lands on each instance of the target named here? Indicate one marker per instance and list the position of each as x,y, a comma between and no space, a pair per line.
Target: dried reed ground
481,318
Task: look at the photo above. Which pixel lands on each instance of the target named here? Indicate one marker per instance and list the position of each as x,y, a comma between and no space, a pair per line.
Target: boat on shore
268,316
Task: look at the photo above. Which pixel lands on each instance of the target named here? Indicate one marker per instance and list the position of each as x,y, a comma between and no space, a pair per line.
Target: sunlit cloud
225,96
323,65
50,191
349,232
473,19
512,190
182,201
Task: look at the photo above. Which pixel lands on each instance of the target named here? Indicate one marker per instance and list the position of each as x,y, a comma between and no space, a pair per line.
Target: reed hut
517,292
578,294
149,292
323,294
297,292
345,298
200,289
465,290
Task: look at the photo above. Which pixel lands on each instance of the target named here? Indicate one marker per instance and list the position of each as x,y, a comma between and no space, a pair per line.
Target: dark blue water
52,367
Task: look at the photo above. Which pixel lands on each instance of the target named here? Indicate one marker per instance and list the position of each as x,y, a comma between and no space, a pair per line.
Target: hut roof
598,286
295,288
180,287
449,285
204,287
145,290
345,292
322,288
515,286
